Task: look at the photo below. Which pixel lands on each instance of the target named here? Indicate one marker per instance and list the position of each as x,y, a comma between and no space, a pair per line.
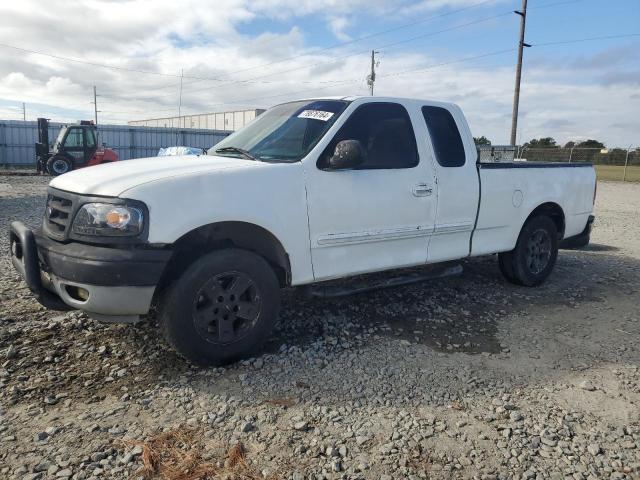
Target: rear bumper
582,239
102,281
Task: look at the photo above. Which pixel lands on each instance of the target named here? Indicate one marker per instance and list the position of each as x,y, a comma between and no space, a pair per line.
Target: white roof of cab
405,100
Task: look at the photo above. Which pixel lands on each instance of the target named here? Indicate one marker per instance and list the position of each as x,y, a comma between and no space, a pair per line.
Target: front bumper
112,284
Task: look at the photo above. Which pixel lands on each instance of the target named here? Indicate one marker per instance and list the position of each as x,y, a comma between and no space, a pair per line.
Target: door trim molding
453,228
352,238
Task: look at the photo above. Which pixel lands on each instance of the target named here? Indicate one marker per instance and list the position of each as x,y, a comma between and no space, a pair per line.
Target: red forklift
75,147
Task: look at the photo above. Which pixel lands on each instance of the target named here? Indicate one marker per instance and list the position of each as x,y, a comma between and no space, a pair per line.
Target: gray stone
587,385
247,427
12,352
300,426
594,449
516,416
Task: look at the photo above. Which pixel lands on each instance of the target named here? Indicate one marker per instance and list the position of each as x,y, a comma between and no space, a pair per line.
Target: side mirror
347,154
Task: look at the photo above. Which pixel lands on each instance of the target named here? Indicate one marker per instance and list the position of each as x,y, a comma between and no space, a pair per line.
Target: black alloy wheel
538,251
227,307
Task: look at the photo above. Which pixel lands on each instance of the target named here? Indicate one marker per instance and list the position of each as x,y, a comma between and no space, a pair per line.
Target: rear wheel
534,257
59,165
222,307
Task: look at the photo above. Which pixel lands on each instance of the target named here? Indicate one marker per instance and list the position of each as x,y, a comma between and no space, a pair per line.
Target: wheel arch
553,211
228,234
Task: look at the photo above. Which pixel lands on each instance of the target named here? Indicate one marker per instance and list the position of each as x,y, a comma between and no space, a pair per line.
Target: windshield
285,133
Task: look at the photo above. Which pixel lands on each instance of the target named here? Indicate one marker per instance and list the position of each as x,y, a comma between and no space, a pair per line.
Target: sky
236,54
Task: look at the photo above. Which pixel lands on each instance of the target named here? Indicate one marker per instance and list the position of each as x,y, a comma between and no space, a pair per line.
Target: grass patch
616,172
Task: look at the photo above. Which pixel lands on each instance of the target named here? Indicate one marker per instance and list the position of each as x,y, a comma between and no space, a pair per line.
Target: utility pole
179,106
95,105
371,78
516,93
24,112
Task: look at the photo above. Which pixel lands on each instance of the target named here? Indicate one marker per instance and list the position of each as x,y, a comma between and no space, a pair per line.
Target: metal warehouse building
18,138
212,121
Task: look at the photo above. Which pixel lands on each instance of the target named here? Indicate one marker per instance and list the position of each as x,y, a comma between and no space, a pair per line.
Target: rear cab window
445,136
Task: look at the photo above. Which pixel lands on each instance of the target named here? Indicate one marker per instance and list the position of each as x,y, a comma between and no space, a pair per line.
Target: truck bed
510,191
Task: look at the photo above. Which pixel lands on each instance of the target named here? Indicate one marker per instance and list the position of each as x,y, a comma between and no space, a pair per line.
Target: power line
147,111
359,39
244,100
387,46
366,37
404,72
589,39
450,62
335,59
85,62
391,45
383,32
544,44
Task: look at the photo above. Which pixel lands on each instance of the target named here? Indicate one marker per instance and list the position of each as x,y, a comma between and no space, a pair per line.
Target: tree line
548,142
591,150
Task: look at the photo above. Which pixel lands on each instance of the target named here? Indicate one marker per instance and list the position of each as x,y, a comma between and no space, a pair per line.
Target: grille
58,215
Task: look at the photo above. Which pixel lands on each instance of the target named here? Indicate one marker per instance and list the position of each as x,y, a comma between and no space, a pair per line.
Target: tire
59,166
210,321
505,262
535,255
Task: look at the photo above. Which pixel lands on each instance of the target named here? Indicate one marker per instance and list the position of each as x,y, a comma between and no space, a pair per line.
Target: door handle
422,190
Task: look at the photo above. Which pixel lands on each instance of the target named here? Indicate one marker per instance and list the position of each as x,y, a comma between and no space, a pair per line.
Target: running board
332,291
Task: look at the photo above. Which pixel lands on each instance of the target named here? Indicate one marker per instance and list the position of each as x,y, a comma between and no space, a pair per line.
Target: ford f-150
310,191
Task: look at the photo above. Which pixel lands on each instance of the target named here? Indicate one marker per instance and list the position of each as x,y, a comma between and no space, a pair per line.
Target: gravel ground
465,377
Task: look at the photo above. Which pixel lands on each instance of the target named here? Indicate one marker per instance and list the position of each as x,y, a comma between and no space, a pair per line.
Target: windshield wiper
241,151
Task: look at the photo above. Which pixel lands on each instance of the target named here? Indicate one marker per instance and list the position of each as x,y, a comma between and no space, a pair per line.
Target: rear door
451,145
381,214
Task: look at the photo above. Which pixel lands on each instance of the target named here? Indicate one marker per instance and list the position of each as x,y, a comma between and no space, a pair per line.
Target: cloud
433,5
337,25
208,40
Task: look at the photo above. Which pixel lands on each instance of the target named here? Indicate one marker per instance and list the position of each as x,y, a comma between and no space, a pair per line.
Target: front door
90,145
73,145
381,214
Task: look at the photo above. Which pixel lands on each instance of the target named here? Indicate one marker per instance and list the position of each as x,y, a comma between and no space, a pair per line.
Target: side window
445,137
74,138
91,138
386,134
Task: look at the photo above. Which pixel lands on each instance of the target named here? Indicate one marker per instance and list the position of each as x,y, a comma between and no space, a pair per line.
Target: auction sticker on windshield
316,115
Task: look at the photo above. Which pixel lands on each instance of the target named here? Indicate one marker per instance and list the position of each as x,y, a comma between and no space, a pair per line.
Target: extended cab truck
311,190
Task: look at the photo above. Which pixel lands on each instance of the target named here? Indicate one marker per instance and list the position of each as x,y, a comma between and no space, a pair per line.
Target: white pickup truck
311,190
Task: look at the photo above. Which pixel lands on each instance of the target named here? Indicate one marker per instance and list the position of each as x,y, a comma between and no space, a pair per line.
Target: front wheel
534,257
59,165
222,308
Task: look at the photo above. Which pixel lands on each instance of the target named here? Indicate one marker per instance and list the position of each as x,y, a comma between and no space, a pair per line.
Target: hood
112,179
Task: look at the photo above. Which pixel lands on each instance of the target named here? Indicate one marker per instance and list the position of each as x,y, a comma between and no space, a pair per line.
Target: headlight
103,219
